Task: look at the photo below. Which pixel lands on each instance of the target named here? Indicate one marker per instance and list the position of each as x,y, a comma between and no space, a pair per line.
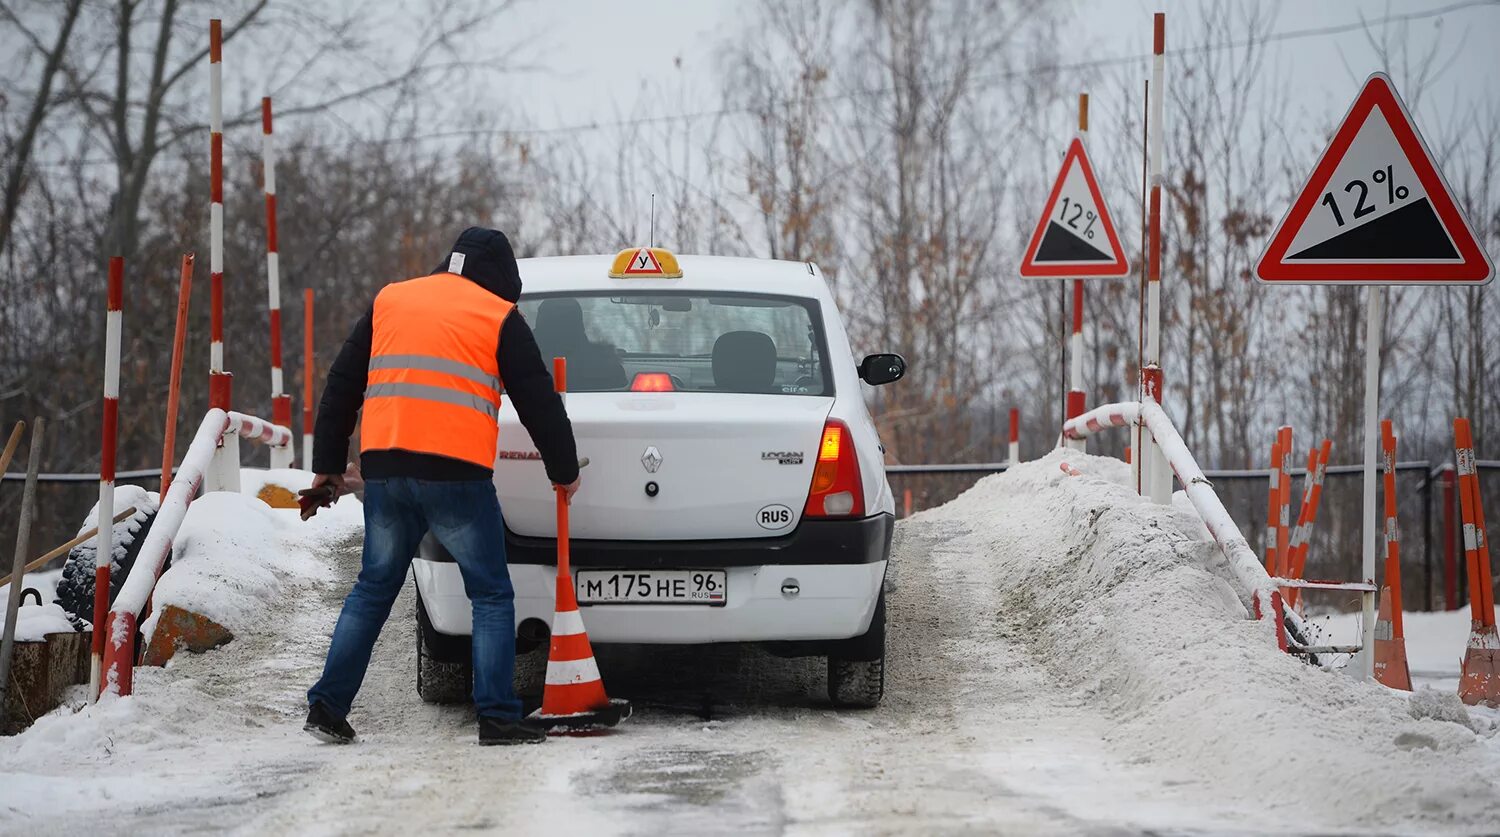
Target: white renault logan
736,490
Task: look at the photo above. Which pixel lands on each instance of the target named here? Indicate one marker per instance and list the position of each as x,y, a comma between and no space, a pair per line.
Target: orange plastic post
564,566
174,380
1479,681
1392,528
1391,666
1273,493
1302,538
1283,500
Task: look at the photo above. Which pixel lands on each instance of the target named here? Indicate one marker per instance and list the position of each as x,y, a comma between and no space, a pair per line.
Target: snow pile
234,553
34,622
1128,604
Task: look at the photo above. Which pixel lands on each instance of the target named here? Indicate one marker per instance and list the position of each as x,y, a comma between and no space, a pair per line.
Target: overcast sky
599,54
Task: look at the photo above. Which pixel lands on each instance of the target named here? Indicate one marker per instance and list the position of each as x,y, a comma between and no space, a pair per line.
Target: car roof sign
645,263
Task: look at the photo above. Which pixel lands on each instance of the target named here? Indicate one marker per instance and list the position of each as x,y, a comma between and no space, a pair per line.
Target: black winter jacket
490,262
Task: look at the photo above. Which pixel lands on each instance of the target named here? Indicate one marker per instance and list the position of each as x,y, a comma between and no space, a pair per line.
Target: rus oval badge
774,516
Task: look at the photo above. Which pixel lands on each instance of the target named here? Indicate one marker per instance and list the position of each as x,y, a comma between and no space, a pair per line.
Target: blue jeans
465,517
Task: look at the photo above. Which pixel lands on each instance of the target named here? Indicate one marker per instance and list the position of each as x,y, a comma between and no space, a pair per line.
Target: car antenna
652,239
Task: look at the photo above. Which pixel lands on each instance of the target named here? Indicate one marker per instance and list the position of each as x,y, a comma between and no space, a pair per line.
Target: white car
735,491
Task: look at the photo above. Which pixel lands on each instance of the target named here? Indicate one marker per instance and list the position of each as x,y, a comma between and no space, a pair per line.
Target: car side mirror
882,368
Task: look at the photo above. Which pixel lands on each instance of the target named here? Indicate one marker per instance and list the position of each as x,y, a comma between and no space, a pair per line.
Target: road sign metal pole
1374,326
1077,401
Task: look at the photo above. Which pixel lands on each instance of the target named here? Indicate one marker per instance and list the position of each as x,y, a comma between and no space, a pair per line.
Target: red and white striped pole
1158,476
219,381
105,539
281,403
307,377
1014,452
1076,400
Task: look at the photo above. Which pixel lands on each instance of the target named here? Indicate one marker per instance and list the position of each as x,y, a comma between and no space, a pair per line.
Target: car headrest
559,327
744,361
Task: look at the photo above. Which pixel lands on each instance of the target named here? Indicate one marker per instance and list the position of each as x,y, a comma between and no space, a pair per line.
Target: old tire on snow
75,589
444,671
856,671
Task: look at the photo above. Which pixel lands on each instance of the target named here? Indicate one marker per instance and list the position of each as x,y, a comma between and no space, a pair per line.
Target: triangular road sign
1075,237
644,263
1376,211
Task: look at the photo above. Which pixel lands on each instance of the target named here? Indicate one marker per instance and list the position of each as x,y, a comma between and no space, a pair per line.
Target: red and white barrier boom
197,464
281,403
1256,588
105,539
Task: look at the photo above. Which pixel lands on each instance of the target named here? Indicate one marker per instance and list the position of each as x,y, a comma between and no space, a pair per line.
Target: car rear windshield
683,342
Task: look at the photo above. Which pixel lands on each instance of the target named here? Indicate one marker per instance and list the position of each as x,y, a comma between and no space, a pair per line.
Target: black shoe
498,731
325,727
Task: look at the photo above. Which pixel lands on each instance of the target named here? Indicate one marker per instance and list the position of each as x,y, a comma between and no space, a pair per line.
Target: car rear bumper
820,582
861,541
832,602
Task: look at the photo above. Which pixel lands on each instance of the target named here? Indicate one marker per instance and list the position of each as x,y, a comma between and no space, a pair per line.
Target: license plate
691,587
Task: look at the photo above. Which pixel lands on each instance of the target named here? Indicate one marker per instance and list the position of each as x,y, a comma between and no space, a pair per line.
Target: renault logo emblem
651,459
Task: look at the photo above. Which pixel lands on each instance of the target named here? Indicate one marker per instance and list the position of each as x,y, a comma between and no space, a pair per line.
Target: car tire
440,682
444,675
856,672
531,672
445,667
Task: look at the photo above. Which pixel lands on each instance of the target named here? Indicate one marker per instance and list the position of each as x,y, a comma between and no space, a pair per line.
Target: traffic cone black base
584,722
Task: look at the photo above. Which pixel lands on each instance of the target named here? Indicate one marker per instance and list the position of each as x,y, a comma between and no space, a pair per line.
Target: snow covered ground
1063,658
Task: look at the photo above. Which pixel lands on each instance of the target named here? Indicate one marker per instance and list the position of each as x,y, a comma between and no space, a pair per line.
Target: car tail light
836,488
652,382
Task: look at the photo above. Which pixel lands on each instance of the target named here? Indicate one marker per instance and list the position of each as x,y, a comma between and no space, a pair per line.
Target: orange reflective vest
434,382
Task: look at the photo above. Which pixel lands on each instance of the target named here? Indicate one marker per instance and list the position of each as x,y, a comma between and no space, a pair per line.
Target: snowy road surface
1062,659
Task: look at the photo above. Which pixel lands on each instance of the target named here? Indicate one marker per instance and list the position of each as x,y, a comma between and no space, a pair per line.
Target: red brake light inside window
652,382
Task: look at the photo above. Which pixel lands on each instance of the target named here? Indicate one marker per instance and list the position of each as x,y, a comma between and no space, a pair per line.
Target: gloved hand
325,490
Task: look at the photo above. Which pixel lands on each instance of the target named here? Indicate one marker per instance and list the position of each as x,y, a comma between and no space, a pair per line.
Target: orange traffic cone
1480,682
1390,649
573,697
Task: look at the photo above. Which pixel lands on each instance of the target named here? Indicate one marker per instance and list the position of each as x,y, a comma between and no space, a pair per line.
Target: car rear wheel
856,671
444,674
